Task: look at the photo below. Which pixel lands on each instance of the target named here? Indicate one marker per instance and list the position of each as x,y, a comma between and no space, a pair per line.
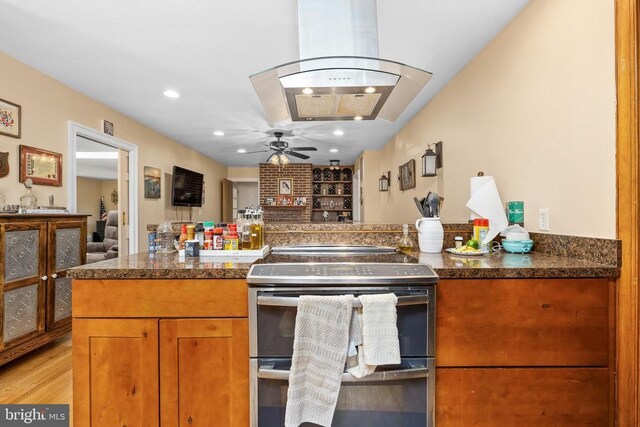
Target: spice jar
231,239
208,240
458,241
217,239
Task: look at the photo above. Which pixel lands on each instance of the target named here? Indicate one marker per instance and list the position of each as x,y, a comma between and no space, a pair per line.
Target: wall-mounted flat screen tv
186,187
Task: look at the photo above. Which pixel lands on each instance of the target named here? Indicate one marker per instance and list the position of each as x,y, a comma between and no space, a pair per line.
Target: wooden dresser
35,294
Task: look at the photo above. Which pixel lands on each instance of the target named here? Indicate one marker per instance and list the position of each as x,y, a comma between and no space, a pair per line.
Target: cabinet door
204,364
115,372
67,247
22,283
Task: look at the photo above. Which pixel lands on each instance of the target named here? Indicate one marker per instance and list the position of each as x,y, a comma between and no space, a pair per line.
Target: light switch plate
543,219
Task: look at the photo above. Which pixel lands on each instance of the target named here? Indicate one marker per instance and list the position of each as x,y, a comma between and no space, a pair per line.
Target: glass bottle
246,229
405,243
28,200
261,223
240,226
256,232
165,239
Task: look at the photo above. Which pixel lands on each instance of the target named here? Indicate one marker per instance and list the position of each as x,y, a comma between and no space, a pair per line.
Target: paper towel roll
485,202
475,183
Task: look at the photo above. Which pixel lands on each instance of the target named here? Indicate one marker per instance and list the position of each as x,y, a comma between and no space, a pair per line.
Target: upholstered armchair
108,248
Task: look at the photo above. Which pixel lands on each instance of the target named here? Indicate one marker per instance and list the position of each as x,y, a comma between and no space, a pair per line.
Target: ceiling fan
280,149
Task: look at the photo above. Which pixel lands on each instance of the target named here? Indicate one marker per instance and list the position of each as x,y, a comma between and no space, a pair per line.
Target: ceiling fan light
284,160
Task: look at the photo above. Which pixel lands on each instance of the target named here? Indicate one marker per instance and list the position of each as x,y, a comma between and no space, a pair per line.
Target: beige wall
47,106
535,109
89,191
243,173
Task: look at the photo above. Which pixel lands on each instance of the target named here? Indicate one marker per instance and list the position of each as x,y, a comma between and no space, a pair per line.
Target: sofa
108,248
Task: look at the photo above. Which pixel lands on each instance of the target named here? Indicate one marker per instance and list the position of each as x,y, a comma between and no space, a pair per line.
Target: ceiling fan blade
253,152
298,155
303,149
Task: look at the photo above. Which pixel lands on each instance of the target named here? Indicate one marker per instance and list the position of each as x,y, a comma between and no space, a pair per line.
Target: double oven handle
399,375
293,301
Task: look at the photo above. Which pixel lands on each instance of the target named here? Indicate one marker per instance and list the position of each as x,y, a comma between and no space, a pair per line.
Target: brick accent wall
301,174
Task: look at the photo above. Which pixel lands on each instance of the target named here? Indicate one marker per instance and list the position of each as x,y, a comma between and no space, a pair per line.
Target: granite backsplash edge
601,251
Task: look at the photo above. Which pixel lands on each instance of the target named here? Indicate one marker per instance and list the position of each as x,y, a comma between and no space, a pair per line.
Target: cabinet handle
54,275
44,278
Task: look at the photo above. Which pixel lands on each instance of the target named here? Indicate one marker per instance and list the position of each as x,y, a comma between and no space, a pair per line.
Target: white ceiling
100,169
125,54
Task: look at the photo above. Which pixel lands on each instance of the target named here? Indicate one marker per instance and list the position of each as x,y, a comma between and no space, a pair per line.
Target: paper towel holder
432,160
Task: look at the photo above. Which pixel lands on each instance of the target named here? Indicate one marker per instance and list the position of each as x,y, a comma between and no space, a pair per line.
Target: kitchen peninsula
521,339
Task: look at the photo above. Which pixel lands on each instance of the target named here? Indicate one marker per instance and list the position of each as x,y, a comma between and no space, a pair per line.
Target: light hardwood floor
40,377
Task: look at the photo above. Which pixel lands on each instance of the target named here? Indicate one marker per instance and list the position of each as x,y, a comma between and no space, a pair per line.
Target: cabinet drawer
520,397
524,322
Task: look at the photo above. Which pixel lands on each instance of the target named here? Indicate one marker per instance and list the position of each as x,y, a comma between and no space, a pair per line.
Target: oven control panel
340,273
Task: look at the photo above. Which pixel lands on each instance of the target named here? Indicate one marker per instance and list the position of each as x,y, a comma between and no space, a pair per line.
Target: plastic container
231,240
480,231
208,240
164,239
200,234
191,232
218,244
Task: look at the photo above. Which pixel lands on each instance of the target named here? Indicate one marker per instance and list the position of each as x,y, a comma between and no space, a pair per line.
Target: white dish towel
378,343
319,354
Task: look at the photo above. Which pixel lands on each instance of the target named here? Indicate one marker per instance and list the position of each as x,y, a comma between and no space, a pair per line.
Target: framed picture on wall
151,183
408,175
10,119
42,166
285,186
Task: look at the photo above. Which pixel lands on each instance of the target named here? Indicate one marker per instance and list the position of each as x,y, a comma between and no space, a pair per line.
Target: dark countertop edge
604,272
164,274
444,273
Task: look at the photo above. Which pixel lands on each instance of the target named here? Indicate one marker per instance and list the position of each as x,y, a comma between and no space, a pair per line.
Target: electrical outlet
543,219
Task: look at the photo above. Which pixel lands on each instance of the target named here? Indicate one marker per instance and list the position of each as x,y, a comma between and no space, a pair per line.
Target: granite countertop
448,266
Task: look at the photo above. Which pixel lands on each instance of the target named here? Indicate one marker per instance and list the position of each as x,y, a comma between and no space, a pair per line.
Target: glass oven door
273,315
394,396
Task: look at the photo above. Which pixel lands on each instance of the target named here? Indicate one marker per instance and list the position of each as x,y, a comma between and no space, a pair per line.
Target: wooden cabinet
204,372
119,361
525,352
152,359
35,297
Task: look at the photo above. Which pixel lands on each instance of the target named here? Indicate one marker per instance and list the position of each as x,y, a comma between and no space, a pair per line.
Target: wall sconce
384,181
432,160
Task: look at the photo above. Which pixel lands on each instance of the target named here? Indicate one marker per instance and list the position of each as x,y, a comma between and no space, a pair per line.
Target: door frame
627,49
75,130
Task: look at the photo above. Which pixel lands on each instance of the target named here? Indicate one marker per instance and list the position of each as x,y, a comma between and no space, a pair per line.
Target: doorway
107,157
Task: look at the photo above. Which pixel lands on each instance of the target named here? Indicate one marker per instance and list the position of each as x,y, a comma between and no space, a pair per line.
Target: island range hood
339,75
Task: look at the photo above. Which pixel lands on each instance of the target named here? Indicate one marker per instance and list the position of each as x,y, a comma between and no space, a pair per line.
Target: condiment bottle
480,231
208,240
217,239
246,229
231,240
191,232
405,242
183,236
200,234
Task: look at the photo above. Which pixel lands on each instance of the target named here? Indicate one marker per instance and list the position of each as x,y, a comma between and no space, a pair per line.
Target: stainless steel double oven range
394,396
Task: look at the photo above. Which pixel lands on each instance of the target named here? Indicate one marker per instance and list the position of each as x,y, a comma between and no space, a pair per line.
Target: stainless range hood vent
339,76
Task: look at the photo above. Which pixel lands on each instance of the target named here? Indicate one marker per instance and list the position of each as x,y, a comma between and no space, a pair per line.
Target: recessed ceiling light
218,133
357,118
169,93
370,89
333,150
338,132
241,150
307,91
